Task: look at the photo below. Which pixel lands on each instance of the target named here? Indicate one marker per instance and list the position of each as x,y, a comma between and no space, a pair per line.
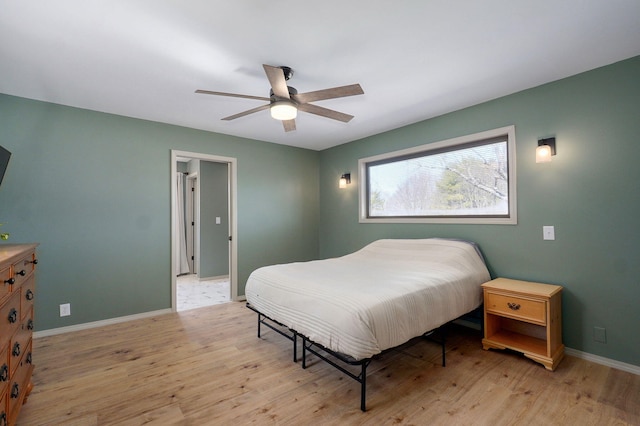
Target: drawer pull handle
30,324
513,306
3,419
34,261
10,281
13,316
15,391
22,273
16,349
28,295
4,373
29,358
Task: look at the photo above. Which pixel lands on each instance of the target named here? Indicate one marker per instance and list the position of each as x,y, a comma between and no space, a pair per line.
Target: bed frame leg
295,347
444,339
304,352
363,388
259,321
440,332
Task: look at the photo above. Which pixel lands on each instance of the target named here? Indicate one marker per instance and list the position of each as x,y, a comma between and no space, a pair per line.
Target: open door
210,238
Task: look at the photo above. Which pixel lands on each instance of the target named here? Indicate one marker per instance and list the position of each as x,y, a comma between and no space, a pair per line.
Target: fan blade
289,125
336,92
242,114
277,81
233,95
325,112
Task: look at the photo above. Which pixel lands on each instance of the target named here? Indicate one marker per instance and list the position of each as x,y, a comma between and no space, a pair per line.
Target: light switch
217,220
548,233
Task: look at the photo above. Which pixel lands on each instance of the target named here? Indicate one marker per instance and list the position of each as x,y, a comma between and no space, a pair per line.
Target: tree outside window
465,178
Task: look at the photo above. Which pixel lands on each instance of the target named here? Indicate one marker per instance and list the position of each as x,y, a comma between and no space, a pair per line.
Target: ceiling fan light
283,110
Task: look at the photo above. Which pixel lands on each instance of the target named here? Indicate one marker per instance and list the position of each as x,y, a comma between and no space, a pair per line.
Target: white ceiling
415,59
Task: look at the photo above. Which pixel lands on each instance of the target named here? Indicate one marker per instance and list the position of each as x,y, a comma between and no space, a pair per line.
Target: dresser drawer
4,370
28,294
19,344
516,307
3,408
9,317
23,269
20,381
5,287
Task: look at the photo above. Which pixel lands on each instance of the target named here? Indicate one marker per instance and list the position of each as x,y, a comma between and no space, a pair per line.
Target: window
470,179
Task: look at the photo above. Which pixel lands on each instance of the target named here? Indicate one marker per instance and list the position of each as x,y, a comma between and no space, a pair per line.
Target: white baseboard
630,368
94,324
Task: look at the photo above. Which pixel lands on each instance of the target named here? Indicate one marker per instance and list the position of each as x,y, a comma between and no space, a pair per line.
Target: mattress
377,298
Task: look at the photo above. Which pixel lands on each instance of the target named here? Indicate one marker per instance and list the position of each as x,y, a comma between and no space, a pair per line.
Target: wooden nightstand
525,317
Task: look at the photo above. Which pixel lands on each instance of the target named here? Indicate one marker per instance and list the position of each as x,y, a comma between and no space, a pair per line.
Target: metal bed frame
318,350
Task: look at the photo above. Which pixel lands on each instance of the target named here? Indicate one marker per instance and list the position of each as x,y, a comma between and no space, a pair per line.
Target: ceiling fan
285,101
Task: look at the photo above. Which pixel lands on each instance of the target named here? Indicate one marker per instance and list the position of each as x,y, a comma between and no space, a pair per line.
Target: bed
357,306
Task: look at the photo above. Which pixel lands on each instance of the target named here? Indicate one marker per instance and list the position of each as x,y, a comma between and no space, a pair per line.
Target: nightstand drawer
516,307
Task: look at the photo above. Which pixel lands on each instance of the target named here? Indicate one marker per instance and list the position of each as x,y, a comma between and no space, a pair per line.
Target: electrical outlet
65,309
600,334
548,233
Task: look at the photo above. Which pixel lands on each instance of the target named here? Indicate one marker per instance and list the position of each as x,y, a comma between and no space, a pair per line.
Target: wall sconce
546,148
345,179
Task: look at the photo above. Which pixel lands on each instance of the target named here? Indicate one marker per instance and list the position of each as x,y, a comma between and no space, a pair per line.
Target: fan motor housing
292,91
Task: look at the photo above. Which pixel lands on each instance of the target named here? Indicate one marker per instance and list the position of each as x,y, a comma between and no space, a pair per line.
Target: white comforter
374,299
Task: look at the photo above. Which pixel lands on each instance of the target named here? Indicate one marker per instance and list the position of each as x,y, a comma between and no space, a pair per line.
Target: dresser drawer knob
29,295
22,273
29,358
13,316
4,373
3,419
513,306
10,281
15,391
30,324
16,349
34,261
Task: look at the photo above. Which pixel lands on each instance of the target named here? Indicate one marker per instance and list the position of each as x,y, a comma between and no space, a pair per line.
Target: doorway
205,248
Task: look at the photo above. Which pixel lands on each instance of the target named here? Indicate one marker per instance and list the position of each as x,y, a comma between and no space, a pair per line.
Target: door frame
233,227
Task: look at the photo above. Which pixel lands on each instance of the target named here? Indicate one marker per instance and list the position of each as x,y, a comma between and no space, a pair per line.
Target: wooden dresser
17,292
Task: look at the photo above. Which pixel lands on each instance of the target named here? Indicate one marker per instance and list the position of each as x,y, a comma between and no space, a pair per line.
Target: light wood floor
207,367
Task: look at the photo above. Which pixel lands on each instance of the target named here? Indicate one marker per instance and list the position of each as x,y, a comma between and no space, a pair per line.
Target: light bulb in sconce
345,179
543,154
546,148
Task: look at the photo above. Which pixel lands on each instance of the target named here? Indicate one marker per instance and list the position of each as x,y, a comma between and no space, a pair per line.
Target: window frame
445,145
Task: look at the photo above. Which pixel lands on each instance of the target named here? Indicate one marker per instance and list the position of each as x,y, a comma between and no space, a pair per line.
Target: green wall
94,190
589,192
